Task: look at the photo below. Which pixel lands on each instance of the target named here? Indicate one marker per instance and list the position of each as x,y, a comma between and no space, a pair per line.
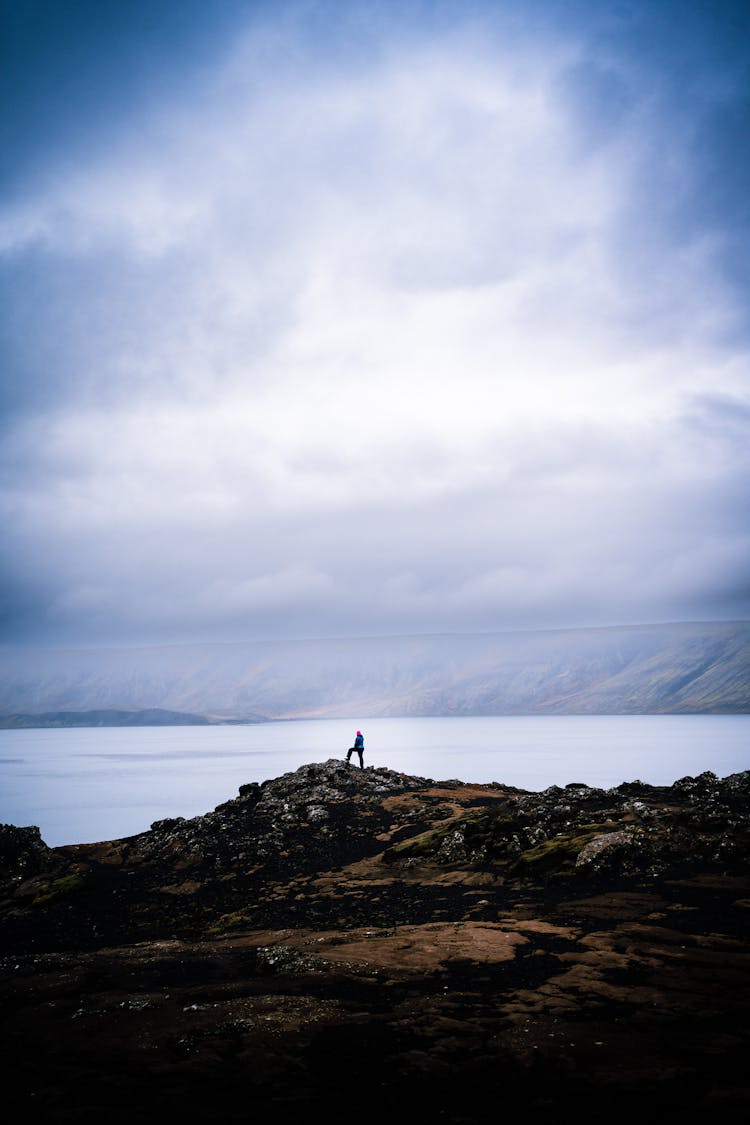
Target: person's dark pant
356,750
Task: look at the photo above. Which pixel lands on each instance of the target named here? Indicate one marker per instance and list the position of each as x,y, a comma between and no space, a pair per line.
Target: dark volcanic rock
632,829
22,852
444,948
321,814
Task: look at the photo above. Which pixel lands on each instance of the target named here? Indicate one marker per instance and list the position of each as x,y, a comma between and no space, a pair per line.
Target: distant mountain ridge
649,669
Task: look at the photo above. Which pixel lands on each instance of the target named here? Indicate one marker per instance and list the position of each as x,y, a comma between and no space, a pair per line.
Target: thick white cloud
391,347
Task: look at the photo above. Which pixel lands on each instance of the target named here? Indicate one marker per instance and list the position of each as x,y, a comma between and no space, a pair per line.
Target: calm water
95,784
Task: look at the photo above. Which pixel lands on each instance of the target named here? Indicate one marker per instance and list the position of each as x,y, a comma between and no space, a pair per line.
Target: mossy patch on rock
237,920
59,888
463,835
557,857
501,841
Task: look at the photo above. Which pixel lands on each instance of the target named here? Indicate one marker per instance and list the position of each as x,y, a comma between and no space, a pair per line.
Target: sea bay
85,784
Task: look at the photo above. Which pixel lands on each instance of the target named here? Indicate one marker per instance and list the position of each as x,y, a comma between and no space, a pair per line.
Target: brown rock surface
361,944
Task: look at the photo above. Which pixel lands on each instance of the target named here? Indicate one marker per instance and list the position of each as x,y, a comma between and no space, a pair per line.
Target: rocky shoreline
361,943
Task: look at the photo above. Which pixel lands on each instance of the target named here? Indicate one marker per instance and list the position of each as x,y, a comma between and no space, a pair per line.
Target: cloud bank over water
390,319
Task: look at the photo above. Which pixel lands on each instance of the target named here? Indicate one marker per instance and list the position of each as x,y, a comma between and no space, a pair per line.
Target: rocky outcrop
632,829
448,948
318,816
22,852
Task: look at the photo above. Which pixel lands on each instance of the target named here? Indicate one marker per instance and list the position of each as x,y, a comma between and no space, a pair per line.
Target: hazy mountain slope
661,668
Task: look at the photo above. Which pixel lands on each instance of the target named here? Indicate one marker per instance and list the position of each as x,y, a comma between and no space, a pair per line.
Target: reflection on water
101,783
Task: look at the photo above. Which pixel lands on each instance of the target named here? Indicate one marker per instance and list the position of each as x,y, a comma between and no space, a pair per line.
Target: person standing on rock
359,746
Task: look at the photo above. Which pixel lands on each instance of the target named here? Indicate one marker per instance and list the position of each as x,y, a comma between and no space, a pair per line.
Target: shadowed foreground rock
375,947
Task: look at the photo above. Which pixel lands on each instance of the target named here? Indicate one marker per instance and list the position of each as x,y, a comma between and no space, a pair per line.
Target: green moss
59,888
237,921
557,856
429,843
490,834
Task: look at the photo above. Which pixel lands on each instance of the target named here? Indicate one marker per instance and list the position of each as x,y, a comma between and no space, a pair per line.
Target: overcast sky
344,318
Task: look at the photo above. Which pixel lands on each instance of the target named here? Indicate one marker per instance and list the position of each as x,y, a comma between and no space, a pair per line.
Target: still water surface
95,784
